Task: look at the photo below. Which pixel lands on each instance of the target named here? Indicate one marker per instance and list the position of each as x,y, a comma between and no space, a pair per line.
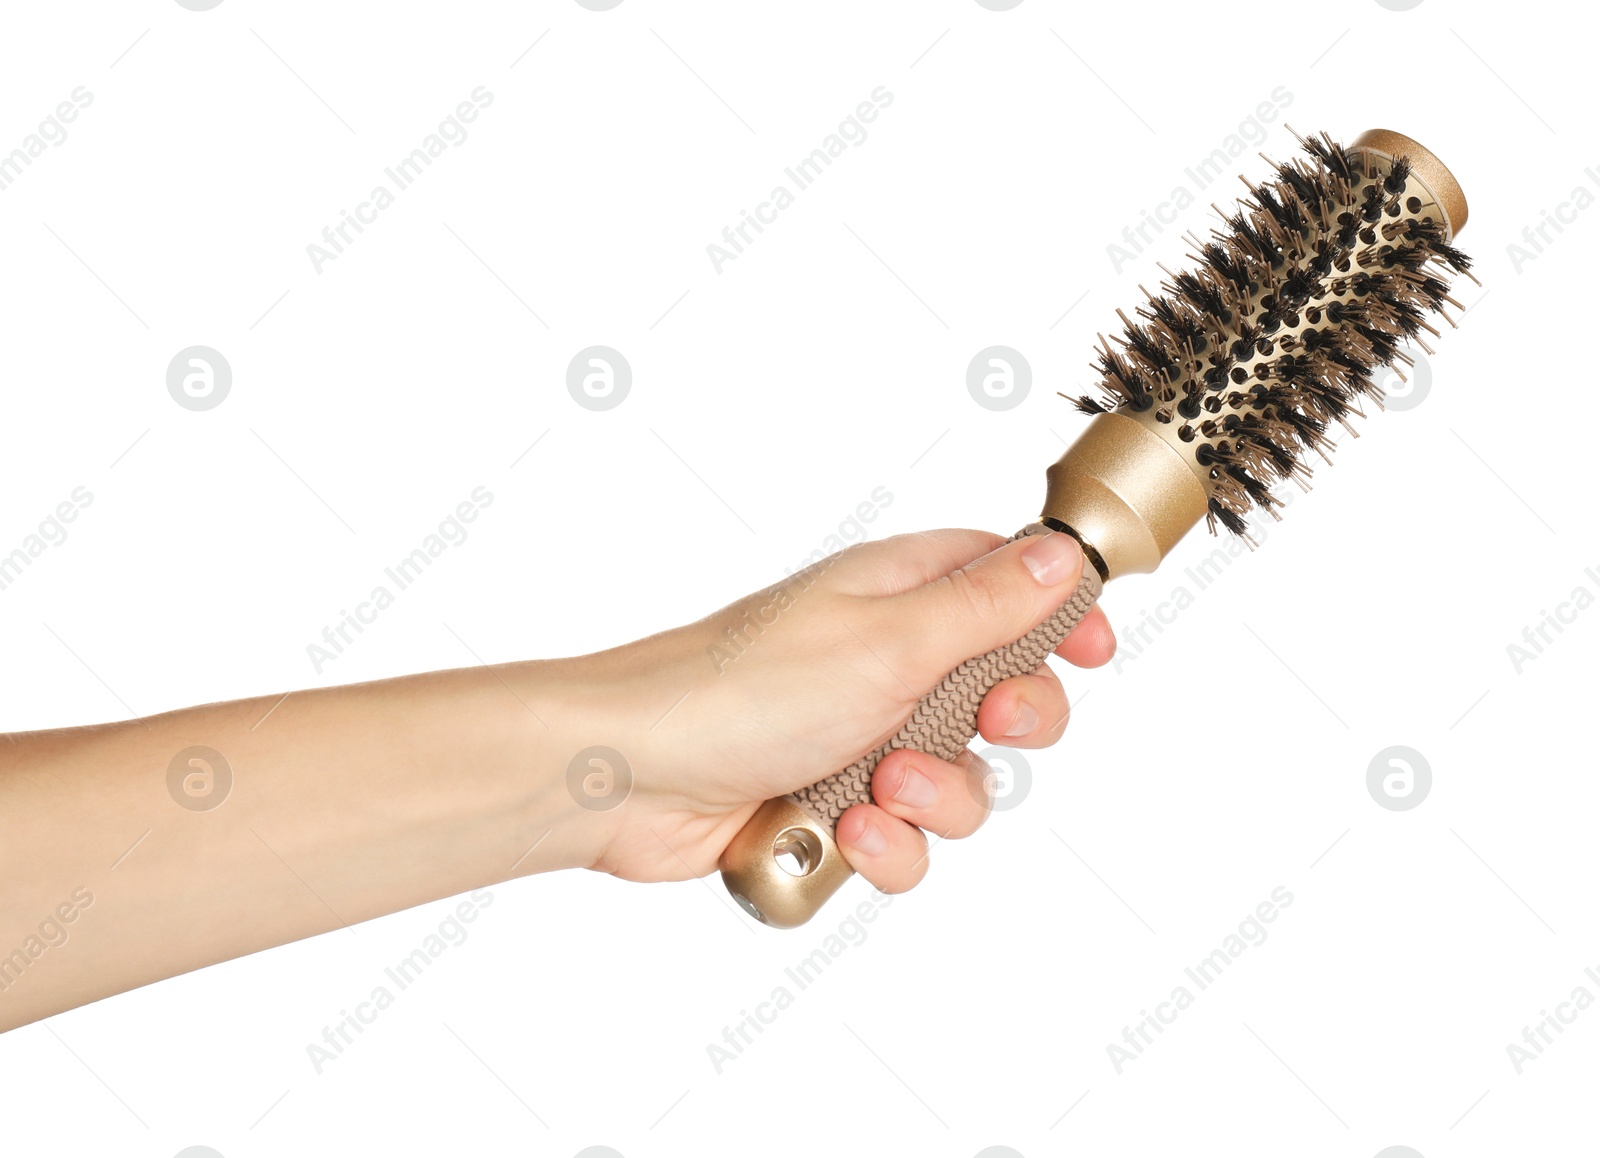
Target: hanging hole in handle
797,851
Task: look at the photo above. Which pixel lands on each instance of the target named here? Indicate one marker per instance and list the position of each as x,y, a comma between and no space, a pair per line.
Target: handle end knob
784,865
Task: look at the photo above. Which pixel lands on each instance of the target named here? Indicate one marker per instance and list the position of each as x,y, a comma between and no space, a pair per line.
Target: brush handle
800,826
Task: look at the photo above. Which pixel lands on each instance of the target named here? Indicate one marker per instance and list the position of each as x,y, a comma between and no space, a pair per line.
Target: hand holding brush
643,761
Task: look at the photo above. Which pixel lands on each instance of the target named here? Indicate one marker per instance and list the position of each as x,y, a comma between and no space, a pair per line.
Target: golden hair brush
1234,372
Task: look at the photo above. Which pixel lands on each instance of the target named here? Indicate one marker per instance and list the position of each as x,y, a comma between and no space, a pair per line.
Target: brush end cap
1428,169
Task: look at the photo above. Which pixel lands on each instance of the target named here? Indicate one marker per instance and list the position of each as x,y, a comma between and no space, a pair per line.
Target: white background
1227,758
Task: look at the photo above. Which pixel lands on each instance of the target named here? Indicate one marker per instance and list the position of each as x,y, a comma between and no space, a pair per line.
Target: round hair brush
1232,375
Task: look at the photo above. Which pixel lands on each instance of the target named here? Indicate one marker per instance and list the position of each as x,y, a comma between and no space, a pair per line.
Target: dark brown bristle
1275,334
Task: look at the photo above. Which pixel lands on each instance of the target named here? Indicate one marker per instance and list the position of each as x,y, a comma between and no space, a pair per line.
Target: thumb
989,603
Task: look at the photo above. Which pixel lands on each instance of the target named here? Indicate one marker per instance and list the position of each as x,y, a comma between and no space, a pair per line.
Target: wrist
553,782
616,742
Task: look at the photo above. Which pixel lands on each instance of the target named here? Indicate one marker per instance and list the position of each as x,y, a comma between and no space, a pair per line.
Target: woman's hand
789,685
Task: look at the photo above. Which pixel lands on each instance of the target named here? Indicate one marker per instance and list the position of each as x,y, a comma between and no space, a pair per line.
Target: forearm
345,804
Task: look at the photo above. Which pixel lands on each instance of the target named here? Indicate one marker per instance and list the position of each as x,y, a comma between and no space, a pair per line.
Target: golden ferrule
1126,494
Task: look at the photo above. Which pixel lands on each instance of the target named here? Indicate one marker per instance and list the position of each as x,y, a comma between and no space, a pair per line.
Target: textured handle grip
801,824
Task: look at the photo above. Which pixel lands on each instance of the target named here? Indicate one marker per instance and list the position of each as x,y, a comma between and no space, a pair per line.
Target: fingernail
1052,558
916,790
869,840
1027,720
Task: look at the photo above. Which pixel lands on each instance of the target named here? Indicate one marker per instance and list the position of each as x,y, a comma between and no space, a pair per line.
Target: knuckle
982,594
890,776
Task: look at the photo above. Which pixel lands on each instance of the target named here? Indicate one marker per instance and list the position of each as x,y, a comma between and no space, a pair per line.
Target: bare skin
351,802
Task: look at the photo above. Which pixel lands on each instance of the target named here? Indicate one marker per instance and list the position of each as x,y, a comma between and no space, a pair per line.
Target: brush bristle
1275,334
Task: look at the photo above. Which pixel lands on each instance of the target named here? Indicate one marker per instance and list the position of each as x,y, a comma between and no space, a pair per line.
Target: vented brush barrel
1140,476
1130,487
1230,379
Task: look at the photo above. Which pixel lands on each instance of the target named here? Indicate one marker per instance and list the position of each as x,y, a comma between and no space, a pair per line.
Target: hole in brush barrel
797,851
